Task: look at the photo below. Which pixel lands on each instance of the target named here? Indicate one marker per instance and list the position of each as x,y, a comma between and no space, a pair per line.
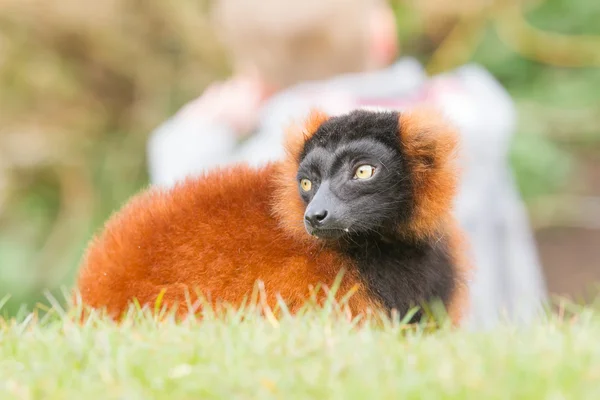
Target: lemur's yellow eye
306,185
364,172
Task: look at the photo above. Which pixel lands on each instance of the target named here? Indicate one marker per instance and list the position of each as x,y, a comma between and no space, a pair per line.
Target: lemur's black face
353,178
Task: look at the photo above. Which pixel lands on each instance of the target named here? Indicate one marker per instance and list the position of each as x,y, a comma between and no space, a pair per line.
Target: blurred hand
235,102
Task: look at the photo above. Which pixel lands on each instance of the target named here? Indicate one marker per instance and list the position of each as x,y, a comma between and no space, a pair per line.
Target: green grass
315,355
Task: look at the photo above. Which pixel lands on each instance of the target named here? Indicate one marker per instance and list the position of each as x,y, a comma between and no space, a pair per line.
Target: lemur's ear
430,145
288,205
297,135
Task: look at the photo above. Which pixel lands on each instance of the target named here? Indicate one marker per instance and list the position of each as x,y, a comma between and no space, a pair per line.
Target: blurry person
291,56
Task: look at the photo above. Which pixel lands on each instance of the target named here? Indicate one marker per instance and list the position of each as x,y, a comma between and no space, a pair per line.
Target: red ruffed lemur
368,192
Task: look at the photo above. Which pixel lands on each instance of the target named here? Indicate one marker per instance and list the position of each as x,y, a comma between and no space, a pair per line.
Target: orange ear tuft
288,205
297,135
430,144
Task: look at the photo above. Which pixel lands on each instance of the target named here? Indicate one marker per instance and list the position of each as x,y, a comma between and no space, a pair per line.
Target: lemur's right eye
306,185
364,172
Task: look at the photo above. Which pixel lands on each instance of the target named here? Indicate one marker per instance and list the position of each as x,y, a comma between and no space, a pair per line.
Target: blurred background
82,84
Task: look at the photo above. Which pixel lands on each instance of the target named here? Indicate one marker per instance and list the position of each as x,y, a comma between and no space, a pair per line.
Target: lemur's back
215,234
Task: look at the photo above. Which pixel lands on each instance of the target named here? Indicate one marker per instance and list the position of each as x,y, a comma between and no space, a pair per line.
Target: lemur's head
368,172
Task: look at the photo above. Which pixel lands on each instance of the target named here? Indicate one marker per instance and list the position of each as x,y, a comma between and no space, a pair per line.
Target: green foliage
539,171
567,16
81,86
556,105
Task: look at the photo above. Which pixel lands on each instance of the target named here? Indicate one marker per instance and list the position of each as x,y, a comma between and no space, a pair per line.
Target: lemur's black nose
316,218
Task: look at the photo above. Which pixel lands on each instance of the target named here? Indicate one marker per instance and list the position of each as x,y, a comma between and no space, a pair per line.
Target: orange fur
221,233
288,206
431,145
215,235
459,301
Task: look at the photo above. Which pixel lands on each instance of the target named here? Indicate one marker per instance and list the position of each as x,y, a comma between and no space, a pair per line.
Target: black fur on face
338,202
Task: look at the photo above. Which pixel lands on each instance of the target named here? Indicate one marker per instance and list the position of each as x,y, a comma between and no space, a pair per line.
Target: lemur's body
374,190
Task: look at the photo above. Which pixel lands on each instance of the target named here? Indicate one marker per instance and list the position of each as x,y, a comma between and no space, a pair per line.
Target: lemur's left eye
364,172
306,185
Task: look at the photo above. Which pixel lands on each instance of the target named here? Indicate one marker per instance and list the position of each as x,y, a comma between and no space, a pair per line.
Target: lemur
367,193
